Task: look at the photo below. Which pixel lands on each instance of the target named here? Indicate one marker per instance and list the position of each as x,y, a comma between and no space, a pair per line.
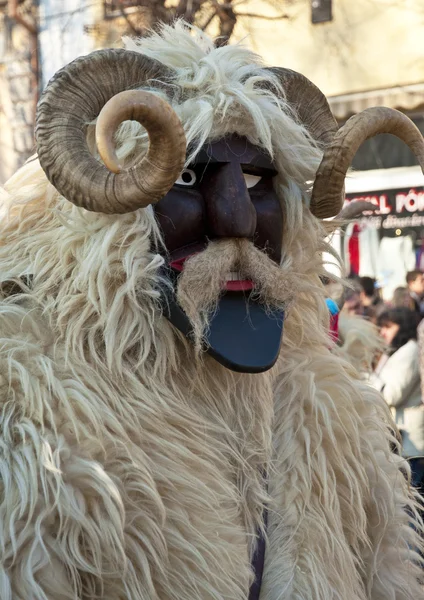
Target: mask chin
243,335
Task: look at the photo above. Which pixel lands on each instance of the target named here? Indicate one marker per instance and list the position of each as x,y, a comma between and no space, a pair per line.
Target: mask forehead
234,149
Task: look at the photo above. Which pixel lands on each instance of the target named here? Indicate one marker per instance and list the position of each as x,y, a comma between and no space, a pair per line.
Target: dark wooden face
227,192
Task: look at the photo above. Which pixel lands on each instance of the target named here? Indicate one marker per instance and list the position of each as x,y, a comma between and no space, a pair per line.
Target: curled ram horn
74,98
314,112
338,155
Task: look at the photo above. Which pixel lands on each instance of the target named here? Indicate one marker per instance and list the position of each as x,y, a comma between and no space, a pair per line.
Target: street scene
211,300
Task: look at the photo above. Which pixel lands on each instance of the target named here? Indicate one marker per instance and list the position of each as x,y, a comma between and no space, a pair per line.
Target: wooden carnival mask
226,193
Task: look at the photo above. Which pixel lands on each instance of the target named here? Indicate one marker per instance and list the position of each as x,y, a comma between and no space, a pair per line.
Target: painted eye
187,178
251,180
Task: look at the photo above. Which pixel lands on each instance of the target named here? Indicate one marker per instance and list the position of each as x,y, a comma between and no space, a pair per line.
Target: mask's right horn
338,155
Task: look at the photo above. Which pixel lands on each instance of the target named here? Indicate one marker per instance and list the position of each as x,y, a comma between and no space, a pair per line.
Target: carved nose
229,210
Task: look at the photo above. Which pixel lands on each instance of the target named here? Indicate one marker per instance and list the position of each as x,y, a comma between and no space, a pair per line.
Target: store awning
403,97
358,182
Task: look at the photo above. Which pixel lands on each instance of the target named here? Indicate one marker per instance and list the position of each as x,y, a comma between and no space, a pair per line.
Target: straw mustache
204,277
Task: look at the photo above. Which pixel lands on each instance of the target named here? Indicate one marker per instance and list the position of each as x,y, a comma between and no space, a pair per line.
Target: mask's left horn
74,98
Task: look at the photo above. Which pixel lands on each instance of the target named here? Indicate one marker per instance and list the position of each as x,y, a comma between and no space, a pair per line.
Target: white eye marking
187,178
251,180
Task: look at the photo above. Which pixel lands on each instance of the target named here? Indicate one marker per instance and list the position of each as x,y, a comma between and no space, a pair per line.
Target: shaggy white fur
360,342
131,471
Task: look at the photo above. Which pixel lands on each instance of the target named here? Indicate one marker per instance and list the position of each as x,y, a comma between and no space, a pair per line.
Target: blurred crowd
385,340
363,297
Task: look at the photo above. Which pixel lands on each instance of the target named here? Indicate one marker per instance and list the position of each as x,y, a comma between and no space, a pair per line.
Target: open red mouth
234,282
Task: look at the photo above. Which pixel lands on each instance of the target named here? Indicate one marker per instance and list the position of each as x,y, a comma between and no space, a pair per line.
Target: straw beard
203,280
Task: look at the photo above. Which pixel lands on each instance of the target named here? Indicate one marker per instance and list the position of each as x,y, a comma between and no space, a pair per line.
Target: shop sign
397,209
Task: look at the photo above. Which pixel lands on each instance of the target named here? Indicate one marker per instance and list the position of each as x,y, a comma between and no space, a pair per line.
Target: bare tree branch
188,9
266,17
198,12
208,21
130,25
227,21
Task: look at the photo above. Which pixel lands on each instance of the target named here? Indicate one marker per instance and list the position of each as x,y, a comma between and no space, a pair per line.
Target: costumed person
357,339
334,318
359,343
174,425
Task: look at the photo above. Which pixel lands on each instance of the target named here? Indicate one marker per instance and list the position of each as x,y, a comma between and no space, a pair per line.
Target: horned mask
103,85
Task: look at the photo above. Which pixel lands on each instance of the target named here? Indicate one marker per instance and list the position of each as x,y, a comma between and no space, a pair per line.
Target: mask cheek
269,218
180,215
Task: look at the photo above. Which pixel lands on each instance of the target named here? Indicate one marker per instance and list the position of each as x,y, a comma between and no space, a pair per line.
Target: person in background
397,376
370,297
402,299
420,337
415,283
369,293
352,299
